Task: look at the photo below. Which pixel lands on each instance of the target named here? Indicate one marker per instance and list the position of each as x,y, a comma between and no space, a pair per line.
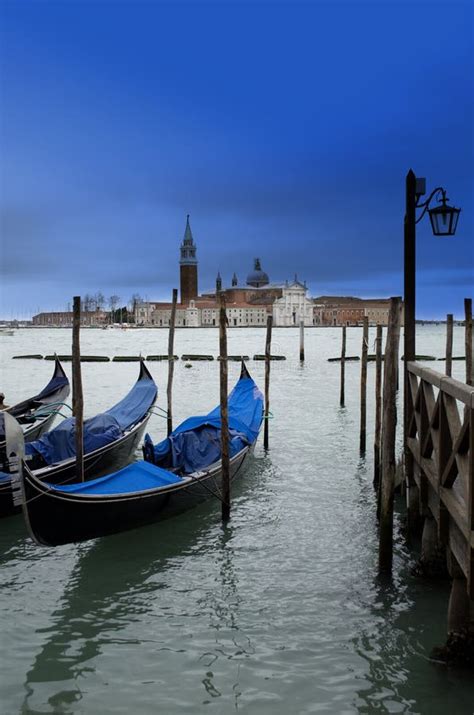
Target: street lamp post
444,220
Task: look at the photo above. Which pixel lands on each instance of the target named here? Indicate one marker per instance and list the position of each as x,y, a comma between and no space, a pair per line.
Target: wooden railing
440,437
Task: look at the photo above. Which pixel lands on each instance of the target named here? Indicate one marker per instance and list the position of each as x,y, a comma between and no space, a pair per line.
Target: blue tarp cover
59,444
195,444
134,478
134,405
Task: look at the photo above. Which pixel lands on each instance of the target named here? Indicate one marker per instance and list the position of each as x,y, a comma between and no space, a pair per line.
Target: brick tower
188,269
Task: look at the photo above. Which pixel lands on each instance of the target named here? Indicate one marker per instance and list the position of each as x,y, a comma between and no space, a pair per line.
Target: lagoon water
280,612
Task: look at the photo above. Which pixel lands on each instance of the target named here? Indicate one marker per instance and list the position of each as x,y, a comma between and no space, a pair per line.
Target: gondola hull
96,464
54,518
101,460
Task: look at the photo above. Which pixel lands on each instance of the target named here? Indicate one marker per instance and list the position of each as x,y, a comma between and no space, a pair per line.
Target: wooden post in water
169,389
268,343
301,340
449,344
223,369
388,438
77,399
363,386
468,339
342,396
378,405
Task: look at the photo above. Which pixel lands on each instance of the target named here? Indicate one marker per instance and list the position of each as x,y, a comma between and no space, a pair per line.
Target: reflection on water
280,611
113,583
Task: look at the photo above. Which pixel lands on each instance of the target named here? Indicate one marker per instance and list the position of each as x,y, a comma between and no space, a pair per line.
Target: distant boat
6,331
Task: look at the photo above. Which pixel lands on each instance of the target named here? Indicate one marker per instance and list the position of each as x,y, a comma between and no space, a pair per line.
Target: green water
280,612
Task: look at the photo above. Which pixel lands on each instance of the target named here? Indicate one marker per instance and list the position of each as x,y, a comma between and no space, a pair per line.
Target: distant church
188,272
246,305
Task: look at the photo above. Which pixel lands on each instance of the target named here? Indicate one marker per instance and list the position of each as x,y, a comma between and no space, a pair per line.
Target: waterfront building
348,310
249,304
63,319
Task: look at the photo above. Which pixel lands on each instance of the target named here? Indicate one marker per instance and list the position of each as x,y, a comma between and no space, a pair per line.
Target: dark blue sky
284,129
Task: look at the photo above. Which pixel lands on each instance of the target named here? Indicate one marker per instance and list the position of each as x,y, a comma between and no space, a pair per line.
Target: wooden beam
388,438
342,396
169,389
468,339
449,344
77,398
378,404
223,370
363,386
268,343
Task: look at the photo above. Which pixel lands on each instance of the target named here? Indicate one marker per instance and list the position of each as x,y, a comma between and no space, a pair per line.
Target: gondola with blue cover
110,440
37,414
178,473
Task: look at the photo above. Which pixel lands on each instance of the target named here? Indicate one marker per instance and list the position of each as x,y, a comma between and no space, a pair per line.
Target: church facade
248,305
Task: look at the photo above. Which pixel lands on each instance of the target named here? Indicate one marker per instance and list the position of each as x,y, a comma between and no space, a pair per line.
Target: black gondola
110,439
145,492
36,415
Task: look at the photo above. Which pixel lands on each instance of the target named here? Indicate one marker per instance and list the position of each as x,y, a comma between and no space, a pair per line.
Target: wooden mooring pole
169,389
77,398
378,405
342,396
388,438
468,339
363,386
449,344
301,340
223,370
268,343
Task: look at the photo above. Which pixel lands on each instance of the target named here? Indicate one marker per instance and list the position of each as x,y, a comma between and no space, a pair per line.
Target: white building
159,315
294,305
238,315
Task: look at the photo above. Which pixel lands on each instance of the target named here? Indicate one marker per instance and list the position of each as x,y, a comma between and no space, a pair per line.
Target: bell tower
188,267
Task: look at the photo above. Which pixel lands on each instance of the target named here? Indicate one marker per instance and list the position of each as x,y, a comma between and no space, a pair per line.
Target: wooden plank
457,389
457,512
425,373
460,447
457,544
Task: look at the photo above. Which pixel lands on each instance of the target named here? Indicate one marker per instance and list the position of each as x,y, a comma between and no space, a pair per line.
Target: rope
46,408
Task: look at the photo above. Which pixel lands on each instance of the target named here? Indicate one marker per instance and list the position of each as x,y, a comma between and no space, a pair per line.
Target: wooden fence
441,439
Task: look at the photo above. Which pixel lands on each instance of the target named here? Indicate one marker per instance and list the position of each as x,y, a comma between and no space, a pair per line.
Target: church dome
257,278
